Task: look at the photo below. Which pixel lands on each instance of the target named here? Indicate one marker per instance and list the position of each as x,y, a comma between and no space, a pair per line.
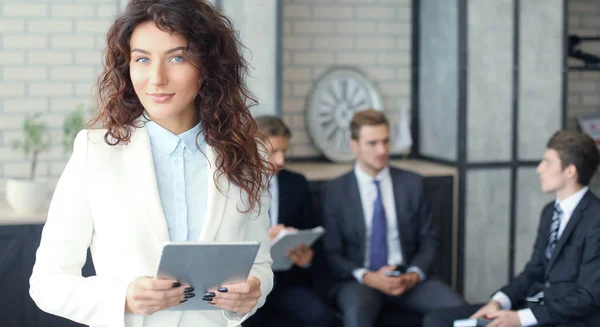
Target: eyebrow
166,52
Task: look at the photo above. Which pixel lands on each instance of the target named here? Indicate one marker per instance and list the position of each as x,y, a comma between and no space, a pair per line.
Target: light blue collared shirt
182,176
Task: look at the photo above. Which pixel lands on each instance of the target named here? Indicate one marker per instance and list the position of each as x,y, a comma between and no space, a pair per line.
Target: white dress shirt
567,206
274,208
368,194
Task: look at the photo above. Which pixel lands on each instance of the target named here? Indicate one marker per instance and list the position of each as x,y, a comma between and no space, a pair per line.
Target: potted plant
74,122
27,195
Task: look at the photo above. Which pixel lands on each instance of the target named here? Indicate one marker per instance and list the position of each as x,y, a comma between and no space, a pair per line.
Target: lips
161,97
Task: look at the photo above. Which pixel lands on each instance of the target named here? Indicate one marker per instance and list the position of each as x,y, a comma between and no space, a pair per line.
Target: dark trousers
361,305
297,303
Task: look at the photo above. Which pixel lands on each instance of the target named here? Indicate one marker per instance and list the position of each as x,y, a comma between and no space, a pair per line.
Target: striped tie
554,226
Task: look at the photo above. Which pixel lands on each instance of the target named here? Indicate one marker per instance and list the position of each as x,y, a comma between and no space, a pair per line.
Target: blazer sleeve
333,241
428,238
534,269
258,225
583,298
56,284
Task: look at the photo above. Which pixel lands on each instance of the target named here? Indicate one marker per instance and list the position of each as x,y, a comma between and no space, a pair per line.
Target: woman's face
163,78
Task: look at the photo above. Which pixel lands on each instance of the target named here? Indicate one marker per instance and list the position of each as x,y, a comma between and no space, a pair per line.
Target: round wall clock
332,102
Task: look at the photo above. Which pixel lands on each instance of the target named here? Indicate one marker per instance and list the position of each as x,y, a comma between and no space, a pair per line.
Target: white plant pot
26,196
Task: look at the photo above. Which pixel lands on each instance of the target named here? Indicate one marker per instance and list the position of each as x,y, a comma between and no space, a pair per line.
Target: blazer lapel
355,205
142,180
400,206
575,218
218,191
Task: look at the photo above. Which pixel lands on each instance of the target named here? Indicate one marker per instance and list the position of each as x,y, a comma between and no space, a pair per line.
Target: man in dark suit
560,285
377,222
292,295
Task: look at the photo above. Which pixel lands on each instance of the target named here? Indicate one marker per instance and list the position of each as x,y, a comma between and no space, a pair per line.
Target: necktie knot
557,208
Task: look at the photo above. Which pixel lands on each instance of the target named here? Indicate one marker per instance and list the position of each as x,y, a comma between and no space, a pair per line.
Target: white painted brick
355,28
382,74
297,42
582,86
333,42
8,154
50,89
25,106
590,75
583,31
72,10
313,27
54,120
12,58
84,89
22,9
333,12
403,74
22,168
92,26
358,1
375,12
356,58
50,58
287,58
106,11
293,105
306,151
12,90
296,74
88,57
287,89
25,42
11,121
298,121
376,43
300,136
296,11
12,25
301,89
313,58
583,7
387,28
287,28
386,58
590,21
396,88
50,26
56,168
67,105
573,100
25,74
72,73
72,42
590,100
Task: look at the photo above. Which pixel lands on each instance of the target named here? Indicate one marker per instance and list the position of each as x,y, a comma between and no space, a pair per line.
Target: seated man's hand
301,256
490,307
504,318
386,284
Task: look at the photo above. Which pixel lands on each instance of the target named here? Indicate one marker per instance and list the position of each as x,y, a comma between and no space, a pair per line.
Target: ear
354,145
571,171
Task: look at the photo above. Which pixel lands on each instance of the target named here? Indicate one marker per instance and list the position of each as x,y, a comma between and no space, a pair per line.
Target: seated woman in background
173,157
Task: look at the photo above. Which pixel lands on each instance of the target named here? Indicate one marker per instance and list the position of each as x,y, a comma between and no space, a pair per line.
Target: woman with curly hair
172,155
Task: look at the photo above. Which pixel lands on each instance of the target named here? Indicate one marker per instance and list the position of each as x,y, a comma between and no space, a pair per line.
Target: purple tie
378,251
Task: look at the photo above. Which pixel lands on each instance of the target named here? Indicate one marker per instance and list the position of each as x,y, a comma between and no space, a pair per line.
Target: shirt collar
363,177
569,204
167,141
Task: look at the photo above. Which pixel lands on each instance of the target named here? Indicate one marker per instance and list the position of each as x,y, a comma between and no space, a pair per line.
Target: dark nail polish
222,290
207,298
189,295
183,301
188,289
211,294
176,284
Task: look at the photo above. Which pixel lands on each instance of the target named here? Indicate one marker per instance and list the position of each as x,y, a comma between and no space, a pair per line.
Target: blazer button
547,284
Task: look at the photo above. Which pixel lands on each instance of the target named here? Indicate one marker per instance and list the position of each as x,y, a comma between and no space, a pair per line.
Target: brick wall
372,35
584,86
50,55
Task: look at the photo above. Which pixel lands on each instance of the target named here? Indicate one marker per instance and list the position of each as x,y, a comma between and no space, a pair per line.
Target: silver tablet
204,265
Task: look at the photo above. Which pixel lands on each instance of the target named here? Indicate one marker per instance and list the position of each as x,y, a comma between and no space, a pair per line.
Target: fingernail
207,298
188,290
176,284
222,290
189,295
183,301
211,294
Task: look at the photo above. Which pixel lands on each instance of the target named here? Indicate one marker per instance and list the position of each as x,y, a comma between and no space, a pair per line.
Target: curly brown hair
223,102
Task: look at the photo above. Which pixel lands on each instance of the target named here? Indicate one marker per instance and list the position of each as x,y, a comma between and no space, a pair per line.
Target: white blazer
107,199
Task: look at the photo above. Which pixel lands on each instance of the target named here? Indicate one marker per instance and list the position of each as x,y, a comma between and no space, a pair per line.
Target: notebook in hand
288,240
471,323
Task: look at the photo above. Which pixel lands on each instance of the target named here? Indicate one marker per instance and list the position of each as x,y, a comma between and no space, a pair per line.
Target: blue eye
143,60
177,59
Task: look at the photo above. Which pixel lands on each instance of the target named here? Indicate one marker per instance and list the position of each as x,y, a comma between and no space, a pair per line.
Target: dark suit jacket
296,210
344,241
571,278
